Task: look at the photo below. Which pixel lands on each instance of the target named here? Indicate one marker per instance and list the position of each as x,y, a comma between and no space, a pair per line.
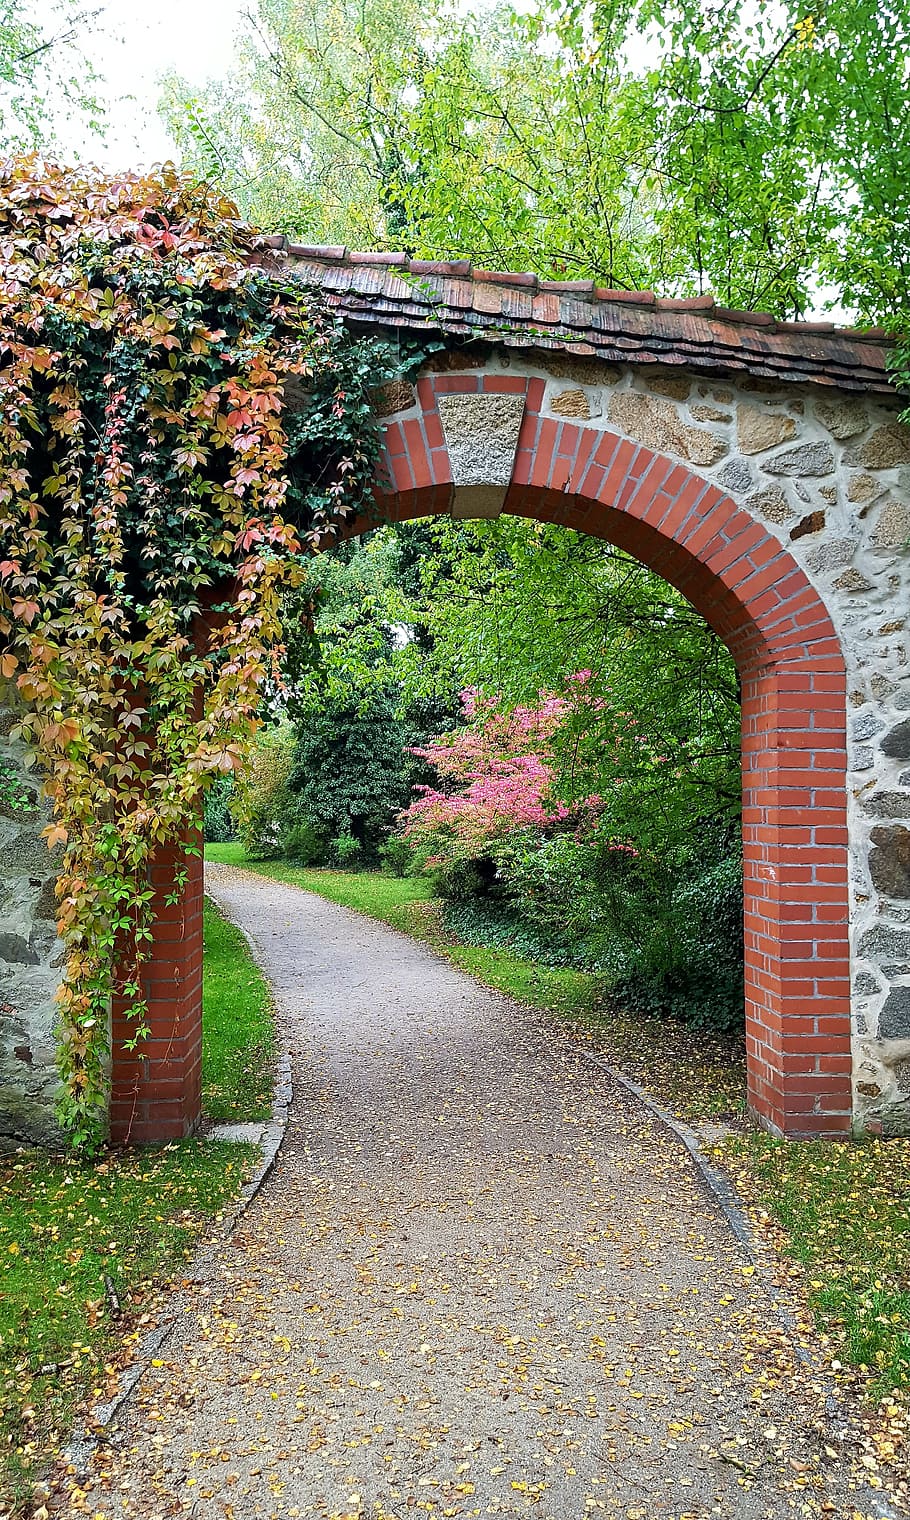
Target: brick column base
156,1090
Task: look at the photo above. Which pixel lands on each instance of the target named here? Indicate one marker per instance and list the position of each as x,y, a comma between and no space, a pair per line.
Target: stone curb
89,1434
727,1199
723,1191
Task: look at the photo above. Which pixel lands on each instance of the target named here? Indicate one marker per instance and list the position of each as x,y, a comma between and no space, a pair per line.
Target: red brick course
156,1091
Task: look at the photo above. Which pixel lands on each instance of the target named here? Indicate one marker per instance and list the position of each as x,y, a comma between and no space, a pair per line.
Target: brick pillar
795,866
156,1090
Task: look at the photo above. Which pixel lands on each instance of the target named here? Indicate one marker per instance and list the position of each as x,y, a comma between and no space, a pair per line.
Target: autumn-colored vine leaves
178,427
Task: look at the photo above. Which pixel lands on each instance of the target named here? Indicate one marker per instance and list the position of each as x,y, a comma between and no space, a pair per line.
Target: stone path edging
727,1200
89,1433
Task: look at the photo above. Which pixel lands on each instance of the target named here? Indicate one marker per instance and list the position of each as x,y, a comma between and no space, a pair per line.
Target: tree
760,152
505,603
352,647
43,71
295,135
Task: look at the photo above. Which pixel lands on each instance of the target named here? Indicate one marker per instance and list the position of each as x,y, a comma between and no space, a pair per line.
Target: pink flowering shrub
497,776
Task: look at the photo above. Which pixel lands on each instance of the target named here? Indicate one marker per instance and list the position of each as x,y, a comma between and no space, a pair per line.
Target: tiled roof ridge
582,290
390,291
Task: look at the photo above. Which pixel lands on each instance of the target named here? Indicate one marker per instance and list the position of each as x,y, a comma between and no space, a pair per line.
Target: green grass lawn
845,1211
840,1210
238,1037
75,1240
87,1249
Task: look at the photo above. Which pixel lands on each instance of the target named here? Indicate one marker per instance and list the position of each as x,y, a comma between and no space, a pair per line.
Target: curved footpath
481,1280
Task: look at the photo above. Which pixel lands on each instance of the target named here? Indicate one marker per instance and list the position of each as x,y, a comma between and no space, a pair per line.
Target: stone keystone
481,433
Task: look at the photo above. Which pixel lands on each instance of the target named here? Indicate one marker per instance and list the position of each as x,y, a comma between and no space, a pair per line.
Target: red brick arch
752,592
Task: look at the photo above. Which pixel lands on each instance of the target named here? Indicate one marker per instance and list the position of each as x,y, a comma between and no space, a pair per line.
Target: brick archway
754,594
757,598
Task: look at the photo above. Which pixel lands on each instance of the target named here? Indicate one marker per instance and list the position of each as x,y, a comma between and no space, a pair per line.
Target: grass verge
841,1211
844,1210
238,1035
84,1252
87,1250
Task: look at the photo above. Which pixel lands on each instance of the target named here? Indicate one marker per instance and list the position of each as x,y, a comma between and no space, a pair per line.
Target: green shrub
459,879
397,857
217,823
347,851
691,966
261,800
664,928
302,843
487,922
350,769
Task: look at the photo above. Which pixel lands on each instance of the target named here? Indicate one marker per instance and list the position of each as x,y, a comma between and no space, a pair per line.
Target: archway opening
751,591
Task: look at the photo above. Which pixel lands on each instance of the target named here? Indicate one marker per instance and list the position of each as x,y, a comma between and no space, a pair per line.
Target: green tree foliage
297,132
260,795
350,774
43,72
327,783
650,892
761,152
509,604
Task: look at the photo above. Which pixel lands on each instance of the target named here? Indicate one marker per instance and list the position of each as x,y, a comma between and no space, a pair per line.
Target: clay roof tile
389,290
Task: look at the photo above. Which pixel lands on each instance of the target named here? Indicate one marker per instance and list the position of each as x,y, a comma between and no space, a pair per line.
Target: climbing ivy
180,426
15,799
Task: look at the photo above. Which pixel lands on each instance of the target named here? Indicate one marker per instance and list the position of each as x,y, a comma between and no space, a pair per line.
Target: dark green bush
665,931
690,965
457,880
217,823
350,770
347,851
489,921
302,843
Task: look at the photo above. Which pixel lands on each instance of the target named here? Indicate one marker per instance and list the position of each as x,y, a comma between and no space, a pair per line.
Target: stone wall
830,475
826,474
30,953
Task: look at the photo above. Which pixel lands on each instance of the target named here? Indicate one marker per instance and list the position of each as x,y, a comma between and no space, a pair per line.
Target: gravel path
481,1280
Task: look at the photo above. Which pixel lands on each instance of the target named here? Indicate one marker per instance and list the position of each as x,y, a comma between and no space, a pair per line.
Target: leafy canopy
45,76
762,152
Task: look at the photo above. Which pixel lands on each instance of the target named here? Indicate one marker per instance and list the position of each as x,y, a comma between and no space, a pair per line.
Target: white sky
132,44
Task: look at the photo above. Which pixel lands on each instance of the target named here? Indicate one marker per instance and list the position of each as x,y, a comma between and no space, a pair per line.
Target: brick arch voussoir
734,571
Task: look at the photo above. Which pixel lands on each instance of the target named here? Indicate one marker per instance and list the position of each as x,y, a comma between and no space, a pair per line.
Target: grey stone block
896,744
889,860
866,726
887,805
883,941
812,459
894,1021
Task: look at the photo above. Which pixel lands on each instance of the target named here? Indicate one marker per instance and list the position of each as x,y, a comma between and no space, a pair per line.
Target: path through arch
655,446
